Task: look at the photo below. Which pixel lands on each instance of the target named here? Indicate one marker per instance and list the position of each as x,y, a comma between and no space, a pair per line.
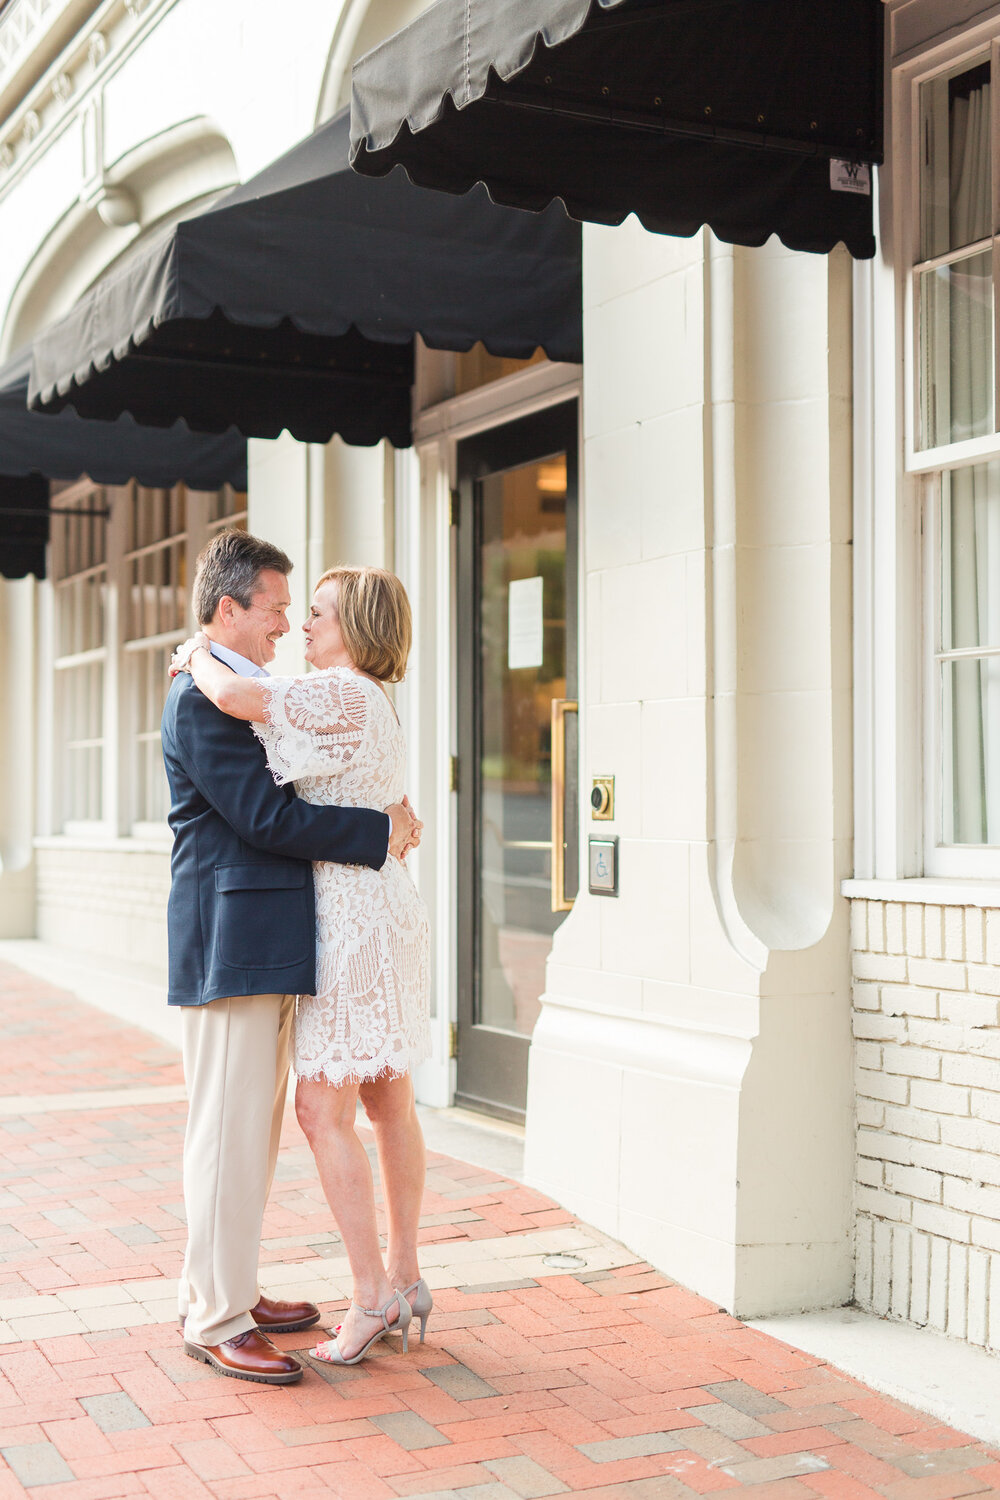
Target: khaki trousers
236,1063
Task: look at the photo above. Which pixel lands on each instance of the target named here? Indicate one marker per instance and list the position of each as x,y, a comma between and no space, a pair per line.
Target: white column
278,511
689,1084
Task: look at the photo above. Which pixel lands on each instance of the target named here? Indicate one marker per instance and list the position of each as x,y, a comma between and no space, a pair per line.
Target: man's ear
225,610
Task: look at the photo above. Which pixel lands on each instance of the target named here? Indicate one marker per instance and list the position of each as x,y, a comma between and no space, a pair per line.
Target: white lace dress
336,735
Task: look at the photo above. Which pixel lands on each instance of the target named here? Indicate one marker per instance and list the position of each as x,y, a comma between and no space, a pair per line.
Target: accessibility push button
603,855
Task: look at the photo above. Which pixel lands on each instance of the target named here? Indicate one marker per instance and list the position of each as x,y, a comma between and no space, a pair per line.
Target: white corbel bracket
116,206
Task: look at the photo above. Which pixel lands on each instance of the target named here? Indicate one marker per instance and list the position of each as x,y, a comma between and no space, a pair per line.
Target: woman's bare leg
392,1111
326,1115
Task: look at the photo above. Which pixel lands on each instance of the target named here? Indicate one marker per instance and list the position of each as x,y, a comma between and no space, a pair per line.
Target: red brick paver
617,1383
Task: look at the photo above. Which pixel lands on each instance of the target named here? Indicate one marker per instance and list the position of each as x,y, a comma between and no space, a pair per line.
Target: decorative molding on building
71,46
20,24
116,206
91,119
32,34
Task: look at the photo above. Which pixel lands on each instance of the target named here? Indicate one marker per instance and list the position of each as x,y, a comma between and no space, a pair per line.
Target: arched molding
148,187
361,26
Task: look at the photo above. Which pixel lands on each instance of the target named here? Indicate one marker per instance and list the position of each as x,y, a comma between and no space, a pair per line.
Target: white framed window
952,447
79,574
122,565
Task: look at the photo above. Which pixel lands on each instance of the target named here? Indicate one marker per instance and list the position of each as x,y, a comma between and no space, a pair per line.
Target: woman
336,735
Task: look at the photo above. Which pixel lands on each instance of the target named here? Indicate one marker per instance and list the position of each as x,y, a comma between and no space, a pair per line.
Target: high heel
422,1304
401,1325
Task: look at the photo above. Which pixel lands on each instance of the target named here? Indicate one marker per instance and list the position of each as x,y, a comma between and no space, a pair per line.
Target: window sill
927,890
106,843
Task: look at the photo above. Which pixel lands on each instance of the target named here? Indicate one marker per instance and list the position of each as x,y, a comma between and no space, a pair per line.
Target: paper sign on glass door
525,634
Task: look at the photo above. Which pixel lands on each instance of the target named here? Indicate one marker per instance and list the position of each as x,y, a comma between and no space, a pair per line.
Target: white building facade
742,561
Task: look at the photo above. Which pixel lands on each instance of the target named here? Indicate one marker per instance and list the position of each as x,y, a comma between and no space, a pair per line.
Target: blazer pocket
265,915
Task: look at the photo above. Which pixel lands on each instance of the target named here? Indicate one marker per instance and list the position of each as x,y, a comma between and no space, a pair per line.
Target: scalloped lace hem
362,1072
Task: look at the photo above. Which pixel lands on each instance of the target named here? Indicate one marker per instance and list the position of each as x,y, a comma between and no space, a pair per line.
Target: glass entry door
517,764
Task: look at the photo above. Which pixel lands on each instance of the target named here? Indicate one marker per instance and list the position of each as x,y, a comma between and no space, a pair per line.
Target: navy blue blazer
241,919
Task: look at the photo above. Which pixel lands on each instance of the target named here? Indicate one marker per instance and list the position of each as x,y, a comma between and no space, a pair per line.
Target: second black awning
294,302
35,449
756,117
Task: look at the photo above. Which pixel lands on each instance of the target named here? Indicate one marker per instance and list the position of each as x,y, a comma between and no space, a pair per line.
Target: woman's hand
181,659
414,839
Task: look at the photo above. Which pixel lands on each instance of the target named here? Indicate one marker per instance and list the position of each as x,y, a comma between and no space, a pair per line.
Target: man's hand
403,827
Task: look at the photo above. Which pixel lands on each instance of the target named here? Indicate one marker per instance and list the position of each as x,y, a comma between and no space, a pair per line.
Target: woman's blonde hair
375,619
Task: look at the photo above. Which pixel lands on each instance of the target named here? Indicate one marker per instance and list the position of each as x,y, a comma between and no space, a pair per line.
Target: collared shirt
238,663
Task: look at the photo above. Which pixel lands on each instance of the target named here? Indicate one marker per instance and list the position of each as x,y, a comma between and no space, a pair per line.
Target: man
242,944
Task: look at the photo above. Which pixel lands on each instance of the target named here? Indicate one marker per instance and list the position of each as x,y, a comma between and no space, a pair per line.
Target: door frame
487,1051
424,546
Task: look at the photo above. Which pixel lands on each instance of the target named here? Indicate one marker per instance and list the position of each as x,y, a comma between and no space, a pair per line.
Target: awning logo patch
850,177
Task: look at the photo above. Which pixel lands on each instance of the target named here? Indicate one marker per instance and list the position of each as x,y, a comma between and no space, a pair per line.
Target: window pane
956,354
149,683
157,597
79,538
522,668
970,741
80,614
970,557
79,702
955,161
224,505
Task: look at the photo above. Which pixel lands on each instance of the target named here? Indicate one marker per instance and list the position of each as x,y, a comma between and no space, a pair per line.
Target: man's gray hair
231,566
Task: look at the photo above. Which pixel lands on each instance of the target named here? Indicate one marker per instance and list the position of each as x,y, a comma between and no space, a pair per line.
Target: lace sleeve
314,725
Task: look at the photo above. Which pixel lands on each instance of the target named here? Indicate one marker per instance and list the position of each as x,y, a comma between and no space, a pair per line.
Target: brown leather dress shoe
284,1317
281,1317
249,1356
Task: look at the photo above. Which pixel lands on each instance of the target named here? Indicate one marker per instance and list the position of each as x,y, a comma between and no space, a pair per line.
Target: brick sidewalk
554,1360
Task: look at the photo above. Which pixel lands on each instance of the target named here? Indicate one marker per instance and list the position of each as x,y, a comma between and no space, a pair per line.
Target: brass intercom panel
602,799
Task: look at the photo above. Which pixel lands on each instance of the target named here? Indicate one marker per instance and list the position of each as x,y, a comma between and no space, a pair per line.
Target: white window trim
897,757
926,891
925,467
906,85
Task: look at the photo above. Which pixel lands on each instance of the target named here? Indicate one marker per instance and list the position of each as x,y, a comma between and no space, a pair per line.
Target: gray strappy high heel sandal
401,1325
422,1303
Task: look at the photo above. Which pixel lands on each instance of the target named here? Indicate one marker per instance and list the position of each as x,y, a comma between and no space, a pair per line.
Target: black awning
35,449
294,302
24,525
756,117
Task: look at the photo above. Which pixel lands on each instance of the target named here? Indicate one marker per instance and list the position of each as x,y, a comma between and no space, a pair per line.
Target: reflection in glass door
517,754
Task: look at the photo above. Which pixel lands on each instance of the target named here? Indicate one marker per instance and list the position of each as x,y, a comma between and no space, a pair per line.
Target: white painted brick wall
927,1071
101,901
